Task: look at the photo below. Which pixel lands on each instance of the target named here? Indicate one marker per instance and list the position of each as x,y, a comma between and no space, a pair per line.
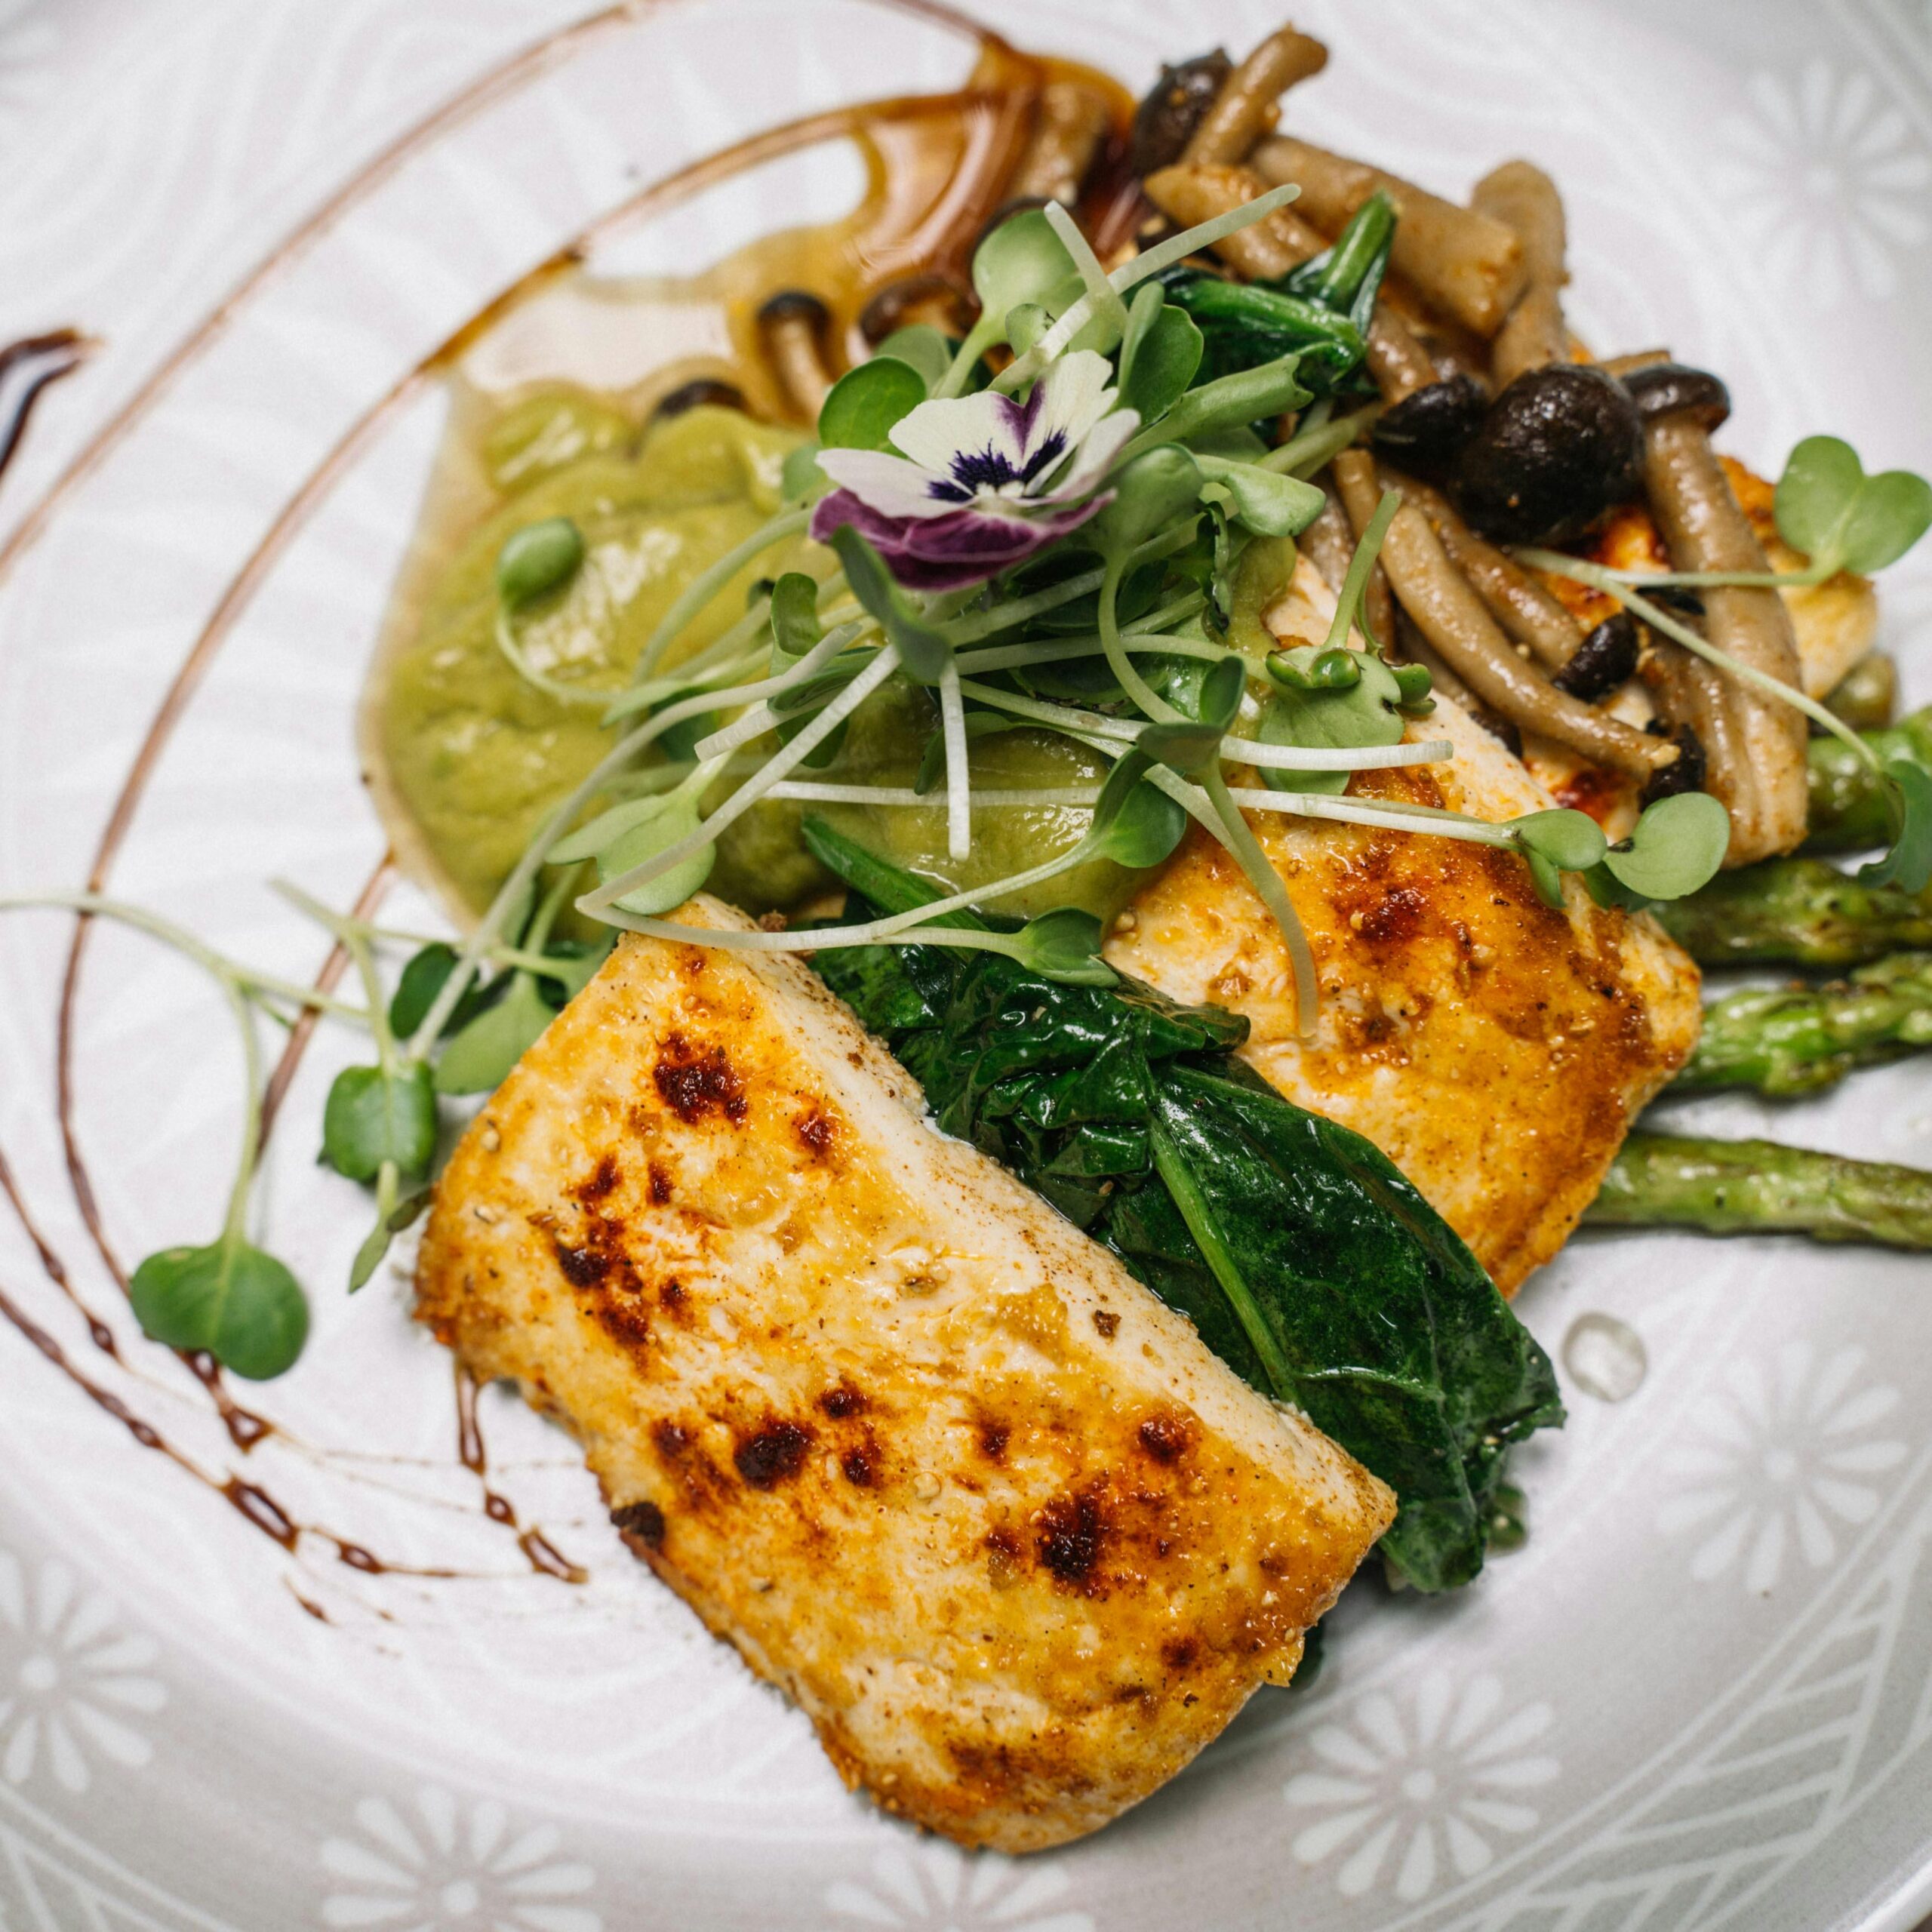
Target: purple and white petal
1093,458
948,552
1071,397
888,483
988,430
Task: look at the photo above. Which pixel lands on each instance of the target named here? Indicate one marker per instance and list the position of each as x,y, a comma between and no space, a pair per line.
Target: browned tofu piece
1497,1051
929,1458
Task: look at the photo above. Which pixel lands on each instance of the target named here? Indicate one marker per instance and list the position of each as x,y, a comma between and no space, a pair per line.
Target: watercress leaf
1245,396
539,557
1893,511
1186,745
800,475
1026,323
1166,362
1144,831
1141,312
592,837
241,1305
1154,490
418,988
479,1058
862,407
924,650
1546,876
932,760
1675,848
1022,261
1315,706
679,741
795,625
1815,495
1316,667
1064,946
372,1116
1570,840
922,347
570,965
668,890
1266,501
368,1256
1908,863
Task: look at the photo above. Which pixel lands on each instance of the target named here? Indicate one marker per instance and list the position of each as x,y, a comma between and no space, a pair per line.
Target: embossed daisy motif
931,1886
1826,179
1415,1793
70,1679
442,1866
1785,1459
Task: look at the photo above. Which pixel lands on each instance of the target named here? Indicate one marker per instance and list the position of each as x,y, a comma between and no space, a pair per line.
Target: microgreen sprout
1908,786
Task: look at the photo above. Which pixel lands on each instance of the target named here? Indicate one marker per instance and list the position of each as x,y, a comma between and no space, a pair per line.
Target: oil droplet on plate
1605,1357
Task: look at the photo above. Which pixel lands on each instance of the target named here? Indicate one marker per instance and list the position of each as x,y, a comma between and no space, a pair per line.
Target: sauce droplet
1605,1357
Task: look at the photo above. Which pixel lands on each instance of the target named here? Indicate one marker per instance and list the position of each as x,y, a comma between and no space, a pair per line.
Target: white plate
1701,1696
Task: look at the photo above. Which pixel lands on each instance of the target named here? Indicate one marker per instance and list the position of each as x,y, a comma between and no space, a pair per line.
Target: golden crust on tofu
935,1462
1498,1051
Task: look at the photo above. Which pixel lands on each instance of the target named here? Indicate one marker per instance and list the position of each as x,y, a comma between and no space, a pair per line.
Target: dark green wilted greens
1306,1259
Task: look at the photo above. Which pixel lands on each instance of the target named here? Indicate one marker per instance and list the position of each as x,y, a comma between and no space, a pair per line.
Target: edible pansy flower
985,480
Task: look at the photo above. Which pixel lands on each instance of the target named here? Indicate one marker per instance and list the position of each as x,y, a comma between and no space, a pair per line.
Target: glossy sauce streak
937,168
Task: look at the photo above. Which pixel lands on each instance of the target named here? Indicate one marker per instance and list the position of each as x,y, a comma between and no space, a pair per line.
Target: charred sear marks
601,1183
1072,1532
817,1129
659,1177
640,1524
1167,1436
582,1267
842,1400
1107,1322
769,1454
861,1465
696,1083
994,1436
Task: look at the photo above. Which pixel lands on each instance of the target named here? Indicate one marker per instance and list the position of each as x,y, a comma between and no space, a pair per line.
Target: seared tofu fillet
935,1462
1496,1050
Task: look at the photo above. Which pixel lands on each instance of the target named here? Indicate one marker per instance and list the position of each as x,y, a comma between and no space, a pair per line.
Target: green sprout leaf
1264,499
1245,396
1674,849
678,818
1556,842
922,347
1841,519
1026,323
1190,745
373,1115
924,650
1065,946
1329,698
795,625
422,979
1908,863
1022,261
1159,355
540,557
479,1058
865,403
1150,493
801,477
241,1305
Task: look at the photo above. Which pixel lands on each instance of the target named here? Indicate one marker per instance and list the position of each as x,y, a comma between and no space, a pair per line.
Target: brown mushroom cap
796,304
1174,106
1666,389
914,298
695,394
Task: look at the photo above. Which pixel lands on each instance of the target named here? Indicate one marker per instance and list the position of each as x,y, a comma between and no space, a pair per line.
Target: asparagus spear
1732,1187
1801,1039
1848,810
1796,912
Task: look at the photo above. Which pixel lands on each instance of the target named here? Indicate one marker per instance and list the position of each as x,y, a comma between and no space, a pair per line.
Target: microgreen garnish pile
1040,526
